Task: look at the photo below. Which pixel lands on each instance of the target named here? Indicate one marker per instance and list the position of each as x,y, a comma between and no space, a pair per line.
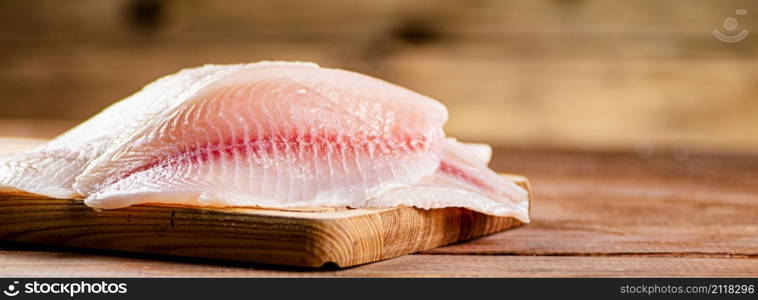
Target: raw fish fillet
270,134
462,180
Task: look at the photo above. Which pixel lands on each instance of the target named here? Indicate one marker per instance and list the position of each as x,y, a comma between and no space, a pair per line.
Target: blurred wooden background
622,74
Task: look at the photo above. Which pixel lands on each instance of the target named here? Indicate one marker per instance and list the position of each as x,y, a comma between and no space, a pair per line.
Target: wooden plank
31,132
604,103
81,79
310,238
586,73
592,104
114,19
40,263
601,105
551,266
652,203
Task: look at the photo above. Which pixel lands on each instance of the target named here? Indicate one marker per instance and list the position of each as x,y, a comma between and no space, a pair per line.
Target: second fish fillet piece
463,180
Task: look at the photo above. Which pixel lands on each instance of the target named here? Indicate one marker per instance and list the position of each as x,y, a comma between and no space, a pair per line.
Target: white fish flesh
269,134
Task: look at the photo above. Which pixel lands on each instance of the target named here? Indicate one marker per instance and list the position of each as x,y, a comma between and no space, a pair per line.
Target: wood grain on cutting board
312,238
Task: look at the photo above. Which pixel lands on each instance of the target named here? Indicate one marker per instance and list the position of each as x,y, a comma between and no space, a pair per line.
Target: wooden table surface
650,213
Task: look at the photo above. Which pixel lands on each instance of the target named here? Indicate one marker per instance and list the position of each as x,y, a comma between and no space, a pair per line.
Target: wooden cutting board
341,237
